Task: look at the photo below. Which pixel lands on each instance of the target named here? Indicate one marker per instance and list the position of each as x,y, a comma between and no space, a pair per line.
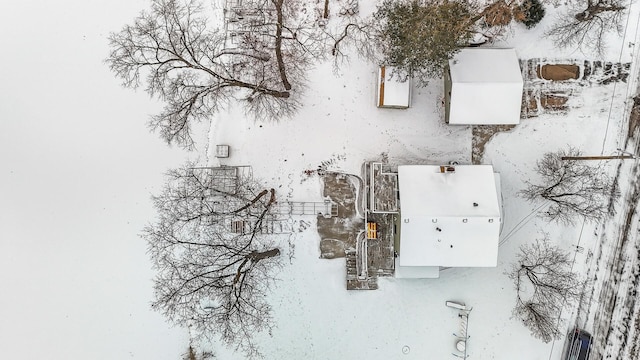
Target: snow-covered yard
76,279
316,317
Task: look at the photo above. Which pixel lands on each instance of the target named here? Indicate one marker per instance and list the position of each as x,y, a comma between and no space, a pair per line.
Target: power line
615,84
522,222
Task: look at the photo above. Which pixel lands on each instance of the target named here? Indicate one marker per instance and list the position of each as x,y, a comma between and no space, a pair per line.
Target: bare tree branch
361,35
573,188
544,283
208,277
586,23
170,51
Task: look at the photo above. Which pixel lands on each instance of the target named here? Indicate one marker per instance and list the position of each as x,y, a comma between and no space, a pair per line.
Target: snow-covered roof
449,218
391,91
486,87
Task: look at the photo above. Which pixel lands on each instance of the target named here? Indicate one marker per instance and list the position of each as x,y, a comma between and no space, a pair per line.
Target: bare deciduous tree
586,23
573,188
214,265
544,283
172,52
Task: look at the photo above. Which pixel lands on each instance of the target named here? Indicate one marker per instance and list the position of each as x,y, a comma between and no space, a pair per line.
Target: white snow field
78,167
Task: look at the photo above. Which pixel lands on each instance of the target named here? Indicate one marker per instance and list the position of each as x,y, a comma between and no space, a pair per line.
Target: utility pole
627,155
612,157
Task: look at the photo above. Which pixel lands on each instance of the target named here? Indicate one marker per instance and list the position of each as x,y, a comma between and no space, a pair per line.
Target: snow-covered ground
316,317
78,167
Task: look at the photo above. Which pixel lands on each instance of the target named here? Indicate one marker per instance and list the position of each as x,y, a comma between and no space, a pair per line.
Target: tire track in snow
617,287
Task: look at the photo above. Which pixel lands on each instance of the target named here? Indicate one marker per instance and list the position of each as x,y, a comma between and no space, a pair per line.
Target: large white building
450,216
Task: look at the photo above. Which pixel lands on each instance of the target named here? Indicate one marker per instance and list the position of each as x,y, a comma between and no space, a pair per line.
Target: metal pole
612,157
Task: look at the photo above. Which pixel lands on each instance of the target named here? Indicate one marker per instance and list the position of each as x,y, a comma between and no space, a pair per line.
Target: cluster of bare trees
542,273
573,188
214,265
544,283
171,50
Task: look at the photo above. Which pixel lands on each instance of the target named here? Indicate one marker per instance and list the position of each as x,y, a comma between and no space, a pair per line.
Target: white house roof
486,87
391,91
448,218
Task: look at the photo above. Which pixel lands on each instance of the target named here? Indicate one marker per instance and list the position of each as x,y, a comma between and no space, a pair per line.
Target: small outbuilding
483,86
450,216
393,91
